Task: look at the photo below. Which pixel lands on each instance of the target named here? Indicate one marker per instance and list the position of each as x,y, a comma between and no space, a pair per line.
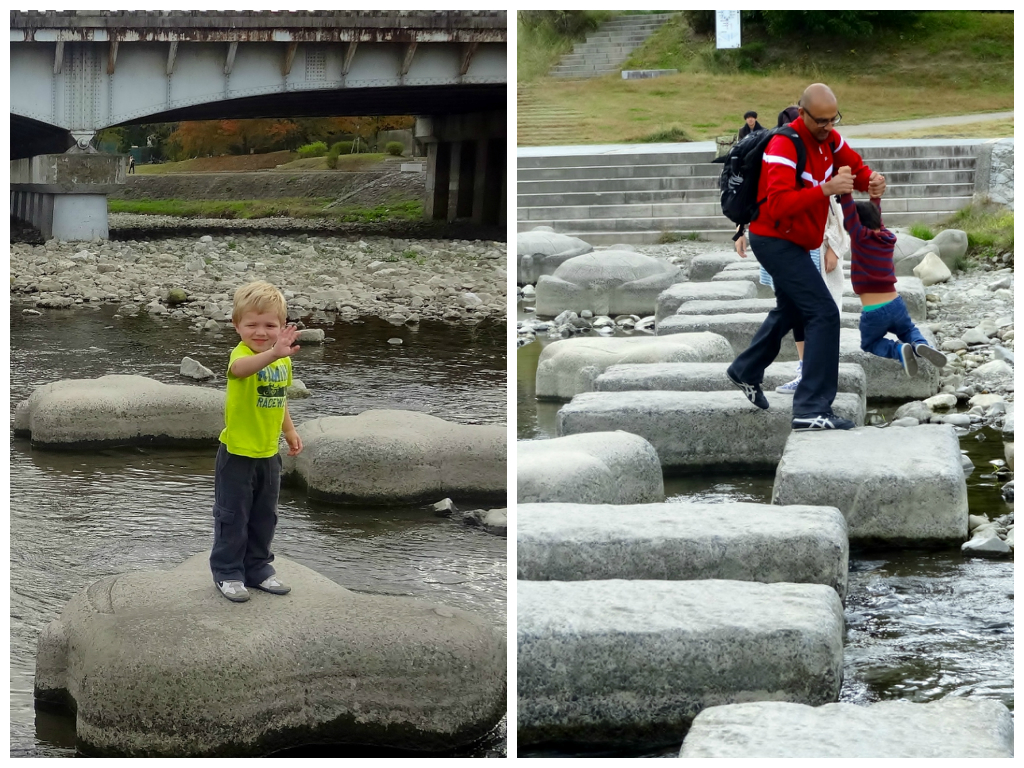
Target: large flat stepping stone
674,297
706,265
567,367
910,289
602,468
159,663
949,728
894,486
391,456
726,307
737,328
751,275
119,410
615,663
698,430
683,541
710,377
541,253
607,283
886,378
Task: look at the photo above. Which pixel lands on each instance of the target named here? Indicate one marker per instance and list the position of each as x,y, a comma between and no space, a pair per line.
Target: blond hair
259,297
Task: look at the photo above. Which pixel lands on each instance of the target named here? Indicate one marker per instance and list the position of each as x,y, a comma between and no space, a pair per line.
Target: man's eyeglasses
823,122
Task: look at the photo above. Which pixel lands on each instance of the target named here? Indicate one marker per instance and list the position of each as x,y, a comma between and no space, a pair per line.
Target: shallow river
920,625
77,517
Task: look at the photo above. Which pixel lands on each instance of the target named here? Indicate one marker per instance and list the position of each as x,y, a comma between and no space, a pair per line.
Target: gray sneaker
931,354
234,591
272,585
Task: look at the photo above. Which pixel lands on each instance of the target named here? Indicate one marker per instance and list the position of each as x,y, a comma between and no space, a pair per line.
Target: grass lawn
948,63
260,209
273,161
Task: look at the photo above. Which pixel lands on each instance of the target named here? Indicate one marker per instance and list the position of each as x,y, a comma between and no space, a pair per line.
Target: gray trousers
244,517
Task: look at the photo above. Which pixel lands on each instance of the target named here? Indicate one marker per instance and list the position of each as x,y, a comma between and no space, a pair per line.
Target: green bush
394,148
342,148
316,149
701,22
572,24
332,158
922,231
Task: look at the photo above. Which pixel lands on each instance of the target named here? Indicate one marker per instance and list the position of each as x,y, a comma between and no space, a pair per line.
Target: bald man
791,223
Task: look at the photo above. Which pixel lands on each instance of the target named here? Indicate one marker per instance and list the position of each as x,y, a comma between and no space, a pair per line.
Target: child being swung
874,281
247,478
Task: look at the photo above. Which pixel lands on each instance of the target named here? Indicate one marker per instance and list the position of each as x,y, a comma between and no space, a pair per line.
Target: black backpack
742,172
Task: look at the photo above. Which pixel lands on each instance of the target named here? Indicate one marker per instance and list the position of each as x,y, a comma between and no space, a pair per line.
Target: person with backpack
795,177
750,125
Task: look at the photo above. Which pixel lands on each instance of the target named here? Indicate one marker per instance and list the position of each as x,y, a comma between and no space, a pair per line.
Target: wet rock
120,410
297,391
137,655
311,336
1007,491
986,546
392,456
941,402
444,508
494,521
906,421
917,409
595,468
973,521
193,369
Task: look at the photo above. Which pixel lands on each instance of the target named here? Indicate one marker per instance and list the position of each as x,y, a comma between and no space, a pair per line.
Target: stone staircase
608,46
541,120
638,194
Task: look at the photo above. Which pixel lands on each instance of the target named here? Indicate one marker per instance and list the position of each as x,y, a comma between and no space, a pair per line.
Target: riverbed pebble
193,369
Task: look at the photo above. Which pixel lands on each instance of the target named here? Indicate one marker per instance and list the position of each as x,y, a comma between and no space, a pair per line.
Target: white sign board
727,29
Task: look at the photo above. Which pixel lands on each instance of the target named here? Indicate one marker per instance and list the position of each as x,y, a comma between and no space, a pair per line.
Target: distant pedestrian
750,126
131,164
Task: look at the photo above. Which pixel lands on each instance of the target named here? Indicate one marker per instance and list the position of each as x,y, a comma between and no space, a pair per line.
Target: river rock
311,336
932,270
541,252
297,391
709,377
568,367
915,409
392,456
157,663
941,402
682,541
705,266
602,468
952,727
986,545
606,282
119,410
674,297
614,663
894,487
194,369
994,371
698,430
494,521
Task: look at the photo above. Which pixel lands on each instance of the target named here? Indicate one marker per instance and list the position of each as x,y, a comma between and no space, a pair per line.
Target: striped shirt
871,268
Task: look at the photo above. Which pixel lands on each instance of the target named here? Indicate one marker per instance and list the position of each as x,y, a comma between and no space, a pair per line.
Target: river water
920,625
77,517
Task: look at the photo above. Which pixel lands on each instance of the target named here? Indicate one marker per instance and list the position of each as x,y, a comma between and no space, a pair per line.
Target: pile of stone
323,278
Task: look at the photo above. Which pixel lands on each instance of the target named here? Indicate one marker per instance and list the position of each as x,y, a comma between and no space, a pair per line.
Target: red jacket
797,211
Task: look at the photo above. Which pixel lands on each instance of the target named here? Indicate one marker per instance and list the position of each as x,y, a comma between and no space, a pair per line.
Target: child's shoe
790,387
908,359
234,591
273,586
931,354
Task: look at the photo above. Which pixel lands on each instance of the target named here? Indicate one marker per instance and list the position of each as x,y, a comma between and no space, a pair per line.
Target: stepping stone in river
158,663
698,430
617,663
542,252
120,410
886,378
393,456
674,297
750,274
910,289
596,468
726,307
606,282
682,541
709,377
566,368
894,486
706,265
953,727
737,328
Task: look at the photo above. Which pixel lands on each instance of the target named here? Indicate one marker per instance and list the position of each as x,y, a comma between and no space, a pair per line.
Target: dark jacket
746,130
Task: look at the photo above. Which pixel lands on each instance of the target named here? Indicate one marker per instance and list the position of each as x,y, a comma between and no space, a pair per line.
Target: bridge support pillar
466,167
65,196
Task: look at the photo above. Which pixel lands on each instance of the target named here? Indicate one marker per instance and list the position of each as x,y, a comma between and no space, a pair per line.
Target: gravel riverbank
323,277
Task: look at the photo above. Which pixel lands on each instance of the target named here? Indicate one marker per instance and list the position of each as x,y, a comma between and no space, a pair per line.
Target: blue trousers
892,318
801,298
244,517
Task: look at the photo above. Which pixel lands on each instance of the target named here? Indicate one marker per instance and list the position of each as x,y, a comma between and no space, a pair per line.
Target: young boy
248,472
874,280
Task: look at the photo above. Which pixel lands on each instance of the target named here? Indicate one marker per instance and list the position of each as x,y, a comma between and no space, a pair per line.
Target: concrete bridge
74,73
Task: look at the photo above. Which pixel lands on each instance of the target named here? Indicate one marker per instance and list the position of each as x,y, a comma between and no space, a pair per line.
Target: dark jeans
892,318
801,299
245,516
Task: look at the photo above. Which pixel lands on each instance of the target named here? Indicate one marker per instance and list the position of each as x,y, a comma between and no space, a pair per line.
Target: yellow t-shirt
254,407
